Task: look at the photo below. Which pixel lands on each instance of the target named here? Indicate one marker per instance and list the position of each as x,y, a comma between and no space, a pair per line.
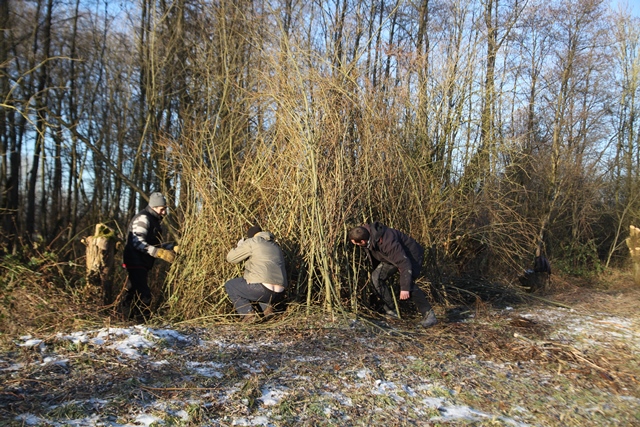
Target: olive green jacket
264,259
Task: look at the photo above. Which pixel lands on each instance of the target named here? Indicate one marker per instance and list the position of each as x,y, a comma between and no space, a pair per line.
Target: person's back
537,279
541,265
394,251
395,245
265,277
264,259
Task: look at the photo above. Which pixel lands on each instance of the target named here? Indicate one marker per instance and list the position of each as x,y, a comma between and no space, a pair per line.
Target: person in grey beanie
144,245
265,277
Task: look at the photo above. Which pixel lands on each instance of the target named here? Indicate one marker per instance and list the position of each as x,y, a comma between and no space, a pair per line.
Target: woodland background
486,129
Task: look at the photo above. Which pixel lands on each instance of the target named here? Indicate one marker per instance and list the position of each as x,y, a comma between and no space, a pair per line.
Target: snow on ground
134,344
590,329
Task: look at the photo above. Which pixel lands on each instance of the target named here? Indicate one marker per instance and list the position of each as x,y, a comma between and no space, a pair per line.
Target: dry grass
41,296
500,362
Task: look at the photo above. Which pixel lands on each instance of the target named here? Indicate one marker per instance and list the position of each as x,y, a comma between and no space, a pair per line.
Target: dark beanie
253,231
157,199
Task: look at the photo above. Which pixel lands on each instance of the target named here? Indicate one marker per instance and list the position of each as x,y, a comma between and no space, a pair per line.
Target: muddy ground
569,359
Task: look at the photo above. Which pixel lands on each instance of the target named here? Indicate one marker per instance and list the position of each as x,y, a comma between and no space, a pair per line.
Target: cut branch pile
569,358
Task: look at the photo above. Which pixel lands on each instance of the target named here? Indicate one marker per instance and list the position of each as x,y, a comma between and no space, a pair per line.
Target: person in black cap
265,277
391,251
143,246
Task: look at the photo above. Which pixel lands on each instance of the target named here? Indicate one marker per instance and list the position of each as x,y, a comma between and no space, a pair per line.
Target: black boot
428,320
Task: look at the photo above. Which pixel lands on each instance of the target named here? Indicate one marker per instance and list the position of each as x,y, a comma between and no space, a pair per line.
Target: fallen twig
569,350
558,304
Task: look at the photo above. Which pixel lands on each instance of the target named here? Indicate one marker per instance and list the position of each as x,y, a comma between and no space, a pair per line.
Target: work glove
175,248
169,246
166,255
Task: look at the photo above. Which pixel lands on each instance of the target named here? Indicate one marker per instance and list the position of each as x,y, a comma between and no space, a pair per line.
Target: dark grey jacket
394,247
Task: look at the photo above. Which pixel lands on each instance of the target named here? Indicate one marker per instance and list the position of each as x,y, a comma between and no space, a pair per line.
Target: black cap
253,231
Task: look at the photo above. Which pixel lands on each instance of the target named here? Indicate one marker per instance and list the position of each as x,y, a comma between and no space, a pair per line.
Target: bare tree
41,97
624,168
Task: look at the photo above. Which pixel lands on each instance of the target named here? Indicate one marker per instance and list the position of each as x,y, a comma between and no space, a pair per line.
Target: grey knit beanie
157,199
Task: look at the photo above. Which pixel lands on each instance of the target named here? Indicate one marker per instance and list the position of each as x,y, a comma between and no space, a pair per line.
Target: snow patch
272,395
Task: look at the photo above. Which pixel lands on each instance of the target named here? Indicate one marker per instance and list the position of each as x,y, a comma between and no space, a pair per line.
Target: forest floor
574,362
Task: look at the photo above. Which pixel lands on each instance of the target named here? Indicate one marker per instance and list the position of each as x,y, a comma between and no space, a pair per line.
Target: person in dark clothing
265,276
143,246
541,265
539,278
392,251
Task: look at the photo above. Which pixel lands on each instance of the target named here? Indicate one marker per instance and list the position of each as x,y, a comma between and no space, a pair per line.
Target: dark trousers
380,278
243,295
137,298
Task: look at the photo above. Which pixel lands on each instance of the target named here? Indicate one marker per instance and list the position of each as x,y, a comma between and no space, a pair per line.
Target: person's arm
240,252
397,256
139,232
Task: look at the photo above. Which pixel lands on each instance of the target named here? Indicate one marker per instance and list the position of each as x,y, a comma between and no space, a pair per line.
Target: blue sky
634,5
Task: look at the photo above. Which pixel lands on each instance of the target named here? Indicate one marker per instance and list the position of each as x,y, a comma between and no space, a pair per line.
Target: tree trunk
8,178
633,243
100,261
72,187
41,126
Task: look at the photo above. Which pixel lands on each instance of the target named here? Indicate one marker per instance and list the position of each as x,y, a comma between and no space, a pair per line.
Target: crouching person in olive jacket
265,276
